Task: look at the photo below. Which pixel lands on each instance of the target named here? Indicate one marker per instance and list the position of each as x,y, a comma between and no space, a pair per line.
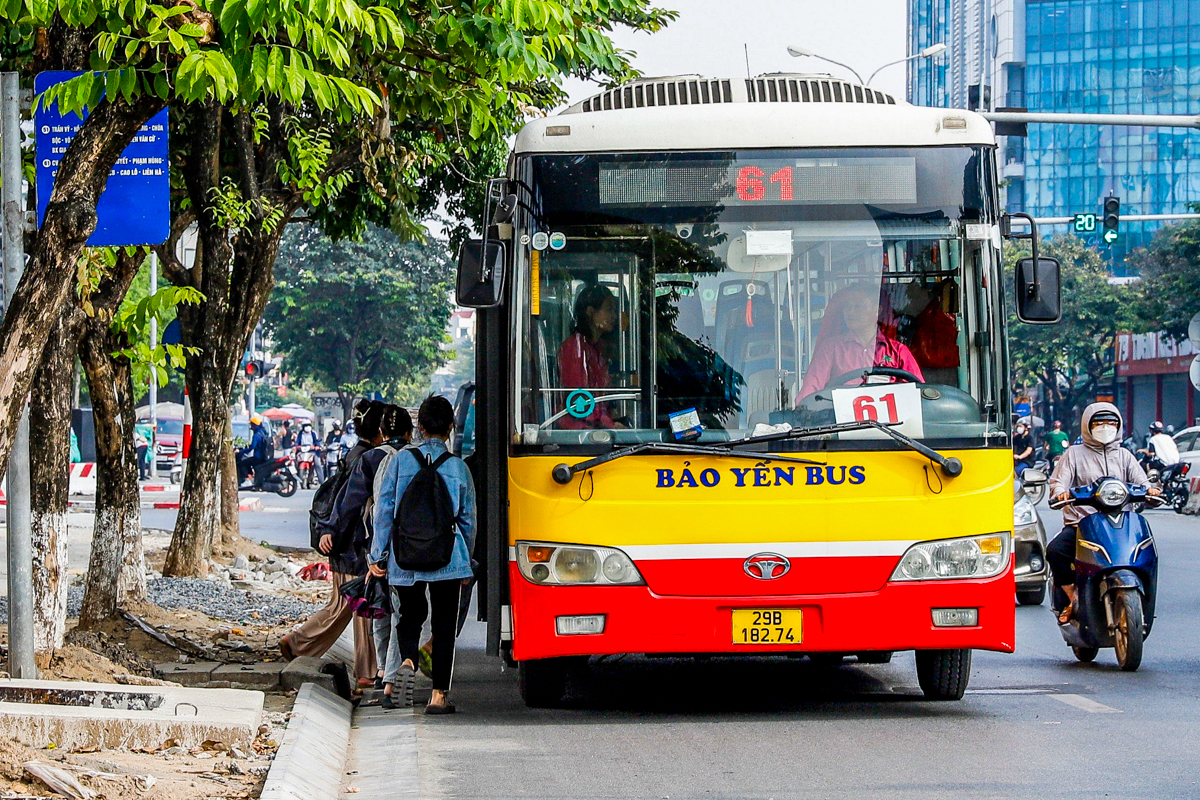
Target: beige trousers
318,633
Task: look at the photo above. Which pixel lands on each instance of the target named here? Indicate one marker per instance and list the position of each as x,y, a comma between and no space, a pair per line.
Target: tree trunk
49,482
50,273
116,571
236,282
230,524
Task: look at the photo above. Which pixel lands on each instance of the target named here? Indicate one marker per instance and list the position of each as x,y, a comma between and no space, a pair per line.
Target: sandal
440,708
1067,614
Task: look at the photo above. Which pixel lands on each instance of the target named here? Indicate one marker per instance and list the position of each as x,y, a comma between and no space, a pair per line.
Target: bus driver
581,360
851,339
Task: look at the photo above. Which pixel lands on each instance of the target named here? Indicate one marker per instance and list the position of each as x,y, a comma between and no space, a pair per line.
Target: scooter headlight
969,557
1112,494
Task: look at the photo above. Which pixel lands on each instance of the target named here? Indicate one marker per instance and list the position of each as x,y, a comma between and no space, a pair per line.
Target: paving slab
248,676
76,715
311,761
195,673
306,669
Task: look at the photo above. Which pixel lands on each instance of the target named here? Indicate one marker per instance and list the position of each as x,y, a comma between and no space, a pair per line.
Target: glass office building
1103,56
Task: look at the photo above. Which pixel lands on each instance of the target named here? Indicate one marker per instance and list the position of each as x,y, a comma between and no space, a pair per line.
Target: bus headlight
559,565
969,557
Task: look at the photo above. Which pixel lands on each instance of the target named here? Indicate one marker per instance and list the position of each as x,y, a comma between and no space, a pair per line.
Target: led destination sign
803,181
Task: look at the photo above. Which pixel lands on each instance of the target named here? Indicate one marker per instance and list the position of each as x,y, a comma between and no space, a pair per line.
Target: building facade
1098,56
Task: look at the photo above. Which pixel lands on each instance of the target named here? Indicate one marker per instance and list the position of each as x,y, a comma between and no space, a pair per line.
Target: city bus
742,381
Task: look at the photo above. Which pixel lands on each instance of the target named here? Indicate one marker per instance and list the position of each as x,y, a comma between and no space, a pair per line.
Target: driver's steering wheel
861,374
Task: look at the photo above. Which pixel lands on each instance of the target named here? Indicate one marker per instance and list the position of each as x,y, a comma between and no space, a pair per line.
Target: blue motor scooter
1116,573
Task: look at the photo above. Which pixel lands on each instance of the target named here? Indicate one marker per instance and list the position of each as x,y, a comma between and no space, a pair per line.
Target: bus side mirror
1039,291
480,273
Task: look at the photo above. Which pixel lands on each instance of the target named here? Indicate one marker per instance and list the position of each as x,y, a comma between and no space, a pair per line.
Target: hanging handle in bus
1038,285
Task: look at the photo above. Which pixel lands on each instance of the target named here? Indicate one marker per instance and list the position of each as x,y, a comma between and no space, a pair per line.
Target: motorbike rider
1022,444
308,437
1056,443
1099,456
257,452
350,437
1161,447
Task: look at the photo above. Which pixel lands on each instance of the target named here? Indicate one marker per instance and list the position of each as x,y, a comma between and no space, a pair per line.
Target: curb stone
311,760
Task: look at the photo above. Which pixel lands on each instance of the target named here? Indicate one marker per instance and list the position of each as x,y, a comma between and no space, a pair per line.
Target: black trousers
1060,553
443,611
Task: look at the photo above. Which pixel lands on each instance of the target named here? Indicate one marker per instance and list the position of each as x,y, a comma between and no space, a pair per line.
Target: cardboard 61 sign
889,403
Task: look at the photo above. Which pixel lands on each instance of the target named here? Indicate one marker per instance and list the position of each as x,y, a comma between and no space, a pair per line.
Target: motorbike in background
277,475
1116,573
1171,480
333,458
306,465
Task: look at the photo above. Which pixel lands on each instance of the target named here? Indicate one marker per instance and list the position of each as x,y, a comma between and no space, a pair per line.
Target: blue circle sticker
581,404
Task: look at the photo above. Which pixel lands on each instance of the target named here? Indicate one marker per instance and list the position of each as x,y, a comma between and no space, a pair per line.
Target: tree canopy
362,315
1170,270
1071,358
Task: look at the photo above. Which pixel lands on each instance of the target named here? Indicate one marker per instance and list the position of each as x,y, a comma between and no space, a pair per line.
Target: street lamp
800,52
928,52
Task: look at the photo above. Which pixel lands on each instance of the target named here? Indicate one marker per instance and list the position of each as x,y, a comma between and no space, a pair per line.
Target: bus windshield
713,296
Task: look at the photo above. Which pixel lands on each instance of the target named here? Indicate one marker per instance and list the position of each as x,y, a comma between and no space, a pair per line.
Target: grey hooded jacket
1084,463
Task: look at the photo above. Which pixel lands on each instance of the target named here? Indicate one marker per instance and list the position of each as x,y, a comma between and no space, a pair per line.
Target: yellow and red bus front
828,539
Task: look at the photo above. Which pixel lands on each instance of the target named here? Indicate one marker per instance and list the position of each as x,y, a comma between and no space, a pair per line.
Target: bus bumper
636,620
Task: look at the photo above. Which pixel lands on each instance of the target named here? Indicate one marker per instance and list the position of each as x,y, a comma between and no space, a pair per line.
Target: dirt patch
84,663
168,773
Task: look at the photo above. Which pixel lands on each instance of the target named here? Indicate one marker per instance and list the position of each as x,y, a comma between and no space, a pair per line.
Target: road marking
1028,690
1084,704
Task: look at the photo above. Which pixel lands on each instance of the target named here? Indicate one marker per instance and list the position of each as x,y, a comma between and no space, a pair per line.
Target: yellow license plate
766,626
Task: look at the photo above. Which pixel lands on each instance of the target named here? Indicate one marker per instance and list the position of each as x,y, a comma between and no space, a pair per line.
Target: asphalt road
282,520
1034,724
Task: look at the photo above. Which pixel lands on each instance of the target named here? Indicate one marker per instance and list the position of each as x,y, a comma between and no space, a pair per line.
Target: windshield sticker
558,241
541,240
535,283
760,476
581,403
888,403
685,424
524,240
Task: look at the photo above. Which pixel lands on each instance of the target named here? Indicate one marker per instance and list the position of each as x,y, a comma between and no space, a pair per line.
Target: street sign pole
153,378
21,662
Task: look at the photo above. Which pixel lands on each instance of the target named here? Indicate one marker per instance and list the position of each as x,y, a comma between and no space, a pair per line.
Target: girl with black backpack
424,536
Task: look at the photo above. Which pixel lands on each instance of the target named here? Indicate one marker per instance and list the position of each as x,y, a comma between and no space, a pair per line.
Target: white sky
709,36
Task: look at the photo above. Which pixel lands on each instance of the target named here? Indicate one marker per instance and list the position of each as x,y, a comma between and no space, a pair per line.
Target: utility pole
21,662
153,377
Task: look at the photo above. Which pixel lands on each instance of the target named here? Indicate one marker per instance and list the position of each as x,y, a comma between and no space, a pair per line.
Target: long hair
592,298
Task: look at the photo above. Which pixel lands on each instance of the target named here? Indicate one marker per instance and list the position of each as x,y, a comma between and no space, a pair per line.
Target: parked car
1188,442
168,440
1029,545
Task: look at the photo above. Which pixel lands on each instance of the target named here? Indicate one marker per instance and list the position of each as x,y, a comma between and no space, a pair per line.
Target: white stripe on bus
673,552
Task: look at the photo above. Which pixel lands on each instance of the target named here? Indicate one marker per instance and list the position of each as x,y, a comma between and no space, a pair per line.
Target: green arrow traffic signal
1110,236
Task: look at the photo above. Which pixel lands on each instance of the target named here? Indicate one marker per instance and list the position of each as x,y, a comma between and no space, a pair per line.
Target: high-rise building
1093,56
1100,56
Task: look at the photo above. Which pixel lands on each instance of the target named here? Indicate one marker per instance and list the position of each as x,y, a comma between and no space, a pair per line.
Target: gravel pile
210,597
223,602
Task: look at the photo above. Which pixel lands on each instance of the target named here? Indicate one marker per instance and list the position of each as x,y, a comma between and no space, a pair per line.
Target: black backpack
424,530
323,501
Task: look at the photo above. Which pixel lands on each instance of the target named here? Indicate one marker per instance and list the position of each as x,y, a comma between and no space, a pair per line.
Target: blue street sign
135,207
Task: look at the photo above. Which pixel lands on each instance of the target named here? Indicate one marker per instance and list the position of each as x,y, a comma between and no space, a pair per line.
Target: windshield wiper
563,473
951,466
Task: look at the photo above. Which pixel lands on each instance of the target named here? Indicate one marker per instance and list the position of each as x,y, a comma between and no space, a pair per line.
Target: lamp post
928,52
800,52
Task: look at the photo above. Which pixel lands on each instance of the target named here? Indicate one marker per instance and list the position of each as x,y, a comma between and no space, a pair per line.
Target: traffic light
1112,219
254,369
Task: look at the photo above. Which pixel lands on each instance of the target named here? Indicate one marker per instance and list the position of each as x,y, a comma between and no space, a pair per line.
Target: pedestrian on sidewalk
435,419
345,543
398,429
142,434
